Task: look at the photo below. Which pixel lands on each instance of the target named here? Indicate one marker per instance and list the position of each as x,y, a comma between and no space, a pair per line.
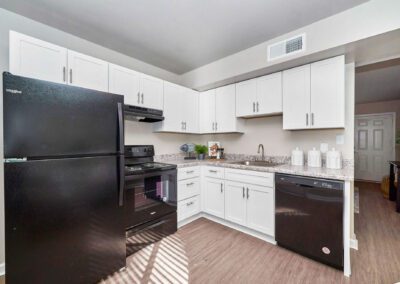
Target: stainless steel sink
256,163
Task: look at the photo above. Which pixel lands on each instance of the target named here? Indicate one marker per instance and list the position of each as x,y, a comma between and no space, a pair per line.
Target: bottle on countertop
297,157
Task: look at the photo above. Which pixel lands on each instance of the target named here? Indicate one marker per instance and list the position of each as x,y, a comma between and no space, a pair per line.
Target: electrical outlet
340,139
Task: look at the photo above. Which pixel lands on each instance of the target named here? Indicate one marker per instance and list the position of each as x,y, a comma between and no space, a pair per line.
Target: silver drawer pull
190,172
152,213
189,203
212,171
190,183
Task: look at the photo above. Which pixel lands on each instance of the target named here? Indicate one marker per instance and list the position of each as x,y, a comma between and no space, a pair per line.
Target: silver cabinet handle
254,107
247,193
70,76
216,126
243,191
189,172
312,118
184,125
221,187
257,106
189,203
212,171
142,98
213,127
181,125
138,97
64,74
307,119
190,184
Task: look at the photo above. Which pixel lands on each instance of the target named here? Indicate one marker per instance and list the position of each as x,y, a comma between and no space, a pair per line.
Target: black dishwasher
309,217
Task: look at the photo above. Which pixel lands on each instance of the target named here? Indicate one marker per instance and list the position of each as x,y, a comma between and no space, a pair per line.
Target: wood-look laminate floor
206,252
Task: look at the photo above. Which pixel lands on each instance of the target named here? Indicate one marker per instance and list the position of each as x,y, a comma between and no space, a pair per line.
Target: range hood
142,114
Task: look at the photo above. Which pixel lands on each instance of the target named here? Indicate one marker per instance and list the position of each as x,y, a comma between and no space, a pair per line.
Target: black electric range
150,197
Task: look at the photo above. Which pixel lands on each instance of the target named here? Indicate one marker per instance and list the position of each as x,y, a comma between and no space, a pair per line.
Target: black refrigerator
64,180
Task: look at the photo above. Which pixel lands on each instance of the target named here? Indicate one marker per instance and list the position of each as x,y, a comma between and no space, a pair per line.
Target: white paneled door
374,145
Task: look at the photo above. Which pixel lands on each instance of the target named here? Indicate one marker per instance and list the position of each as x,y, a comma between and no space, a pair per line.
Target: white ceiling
378,82
178,35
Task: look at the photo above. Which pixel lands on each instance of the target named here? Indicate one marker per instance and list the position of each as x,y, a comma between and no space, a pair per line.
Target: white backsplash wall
138,133
277,142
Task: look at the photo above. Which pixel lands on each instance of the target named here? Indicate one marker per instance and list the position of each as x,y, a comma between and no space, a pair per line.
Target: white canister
333,159
297,157
314,158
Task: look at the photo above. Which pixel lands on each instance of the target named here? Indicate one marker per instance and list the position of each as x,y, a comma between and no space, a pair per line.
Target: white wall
363,21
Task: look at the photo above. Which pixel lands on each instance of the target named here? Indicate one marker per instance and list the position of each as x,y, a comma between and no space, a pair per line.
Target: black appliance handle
121,128
121,181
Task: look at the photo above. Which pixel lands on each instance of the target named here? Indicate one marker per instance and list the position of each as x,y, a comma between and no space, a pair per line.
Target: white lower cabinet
188,207
214,197
260,213
235,202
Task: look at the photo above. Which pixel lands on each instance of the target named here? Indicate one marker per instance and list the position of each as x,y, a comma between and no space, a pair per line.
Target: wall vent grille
287,47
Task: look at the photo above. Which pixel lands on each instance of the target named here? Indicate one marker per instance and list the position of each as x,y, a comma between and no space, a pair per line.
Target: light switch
340,139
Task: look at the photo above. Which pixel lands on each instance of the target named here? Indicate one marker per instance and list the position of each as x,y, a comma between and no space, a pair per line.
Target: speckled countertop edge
346,173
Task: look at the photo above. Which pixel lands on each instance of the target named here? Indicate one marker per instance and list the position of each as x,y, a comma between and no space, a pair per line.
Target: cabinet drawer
251,177
189,172
188,188
188,207
213,172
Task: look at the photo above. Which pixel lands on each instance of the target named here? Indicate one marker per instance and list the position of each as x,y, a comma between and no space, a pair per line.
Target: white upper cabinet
314,95
296,98
225,113
151,92
269,94
34,58
180,110
328,93
126,82
207,111
87,72
190,100
218,111
260,96
246,97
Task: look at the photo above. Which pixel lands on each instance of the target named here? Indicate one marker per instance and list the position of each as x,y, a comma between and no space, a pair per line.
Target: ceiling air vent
287,47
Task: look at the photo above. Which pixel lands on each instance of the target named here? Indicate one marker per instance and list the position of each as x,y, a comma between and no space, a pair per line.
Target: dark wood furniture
394,193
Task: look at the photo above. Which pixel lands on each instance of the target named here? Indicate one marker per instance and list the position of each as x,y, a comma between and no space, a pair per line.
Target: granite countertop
346,173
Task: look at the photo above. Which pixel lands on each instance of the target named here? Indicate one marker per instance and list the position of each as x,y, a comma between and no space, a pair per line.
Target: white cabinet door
235,202
214,197
30,57
328,93
246,97
269,94
151,92
225,109
190,103
87,72
126,82
260,209
174,117
207,111
296,98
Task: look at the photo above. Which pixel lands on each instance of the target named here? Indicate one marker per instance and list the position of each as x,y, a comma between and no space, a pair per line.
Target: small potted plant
201,151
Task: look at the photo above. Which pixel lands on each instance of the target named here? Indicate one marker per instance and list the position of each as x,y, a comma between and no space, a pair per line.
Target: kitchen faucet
262,151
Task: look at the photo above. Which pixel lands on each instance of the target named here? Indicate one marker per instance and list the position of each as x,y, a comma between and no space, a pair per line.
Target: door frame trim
369,115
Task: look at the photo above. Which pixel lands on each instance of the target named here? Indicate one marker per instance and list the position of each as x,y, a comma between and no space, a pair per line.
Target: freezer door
44,119
63,222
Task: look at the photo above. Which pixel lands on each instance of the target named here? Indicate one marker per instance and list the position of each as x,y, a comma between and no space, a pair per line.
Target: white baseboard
354,244
2,269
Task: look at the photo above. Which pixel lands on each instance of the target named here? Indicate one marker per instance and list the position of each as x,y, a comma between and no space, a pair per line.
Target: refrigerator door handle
121,128
121,181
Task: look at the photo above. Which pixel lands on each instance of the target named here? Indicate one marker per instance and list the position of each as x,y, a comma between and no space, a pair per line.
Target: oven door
150,196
